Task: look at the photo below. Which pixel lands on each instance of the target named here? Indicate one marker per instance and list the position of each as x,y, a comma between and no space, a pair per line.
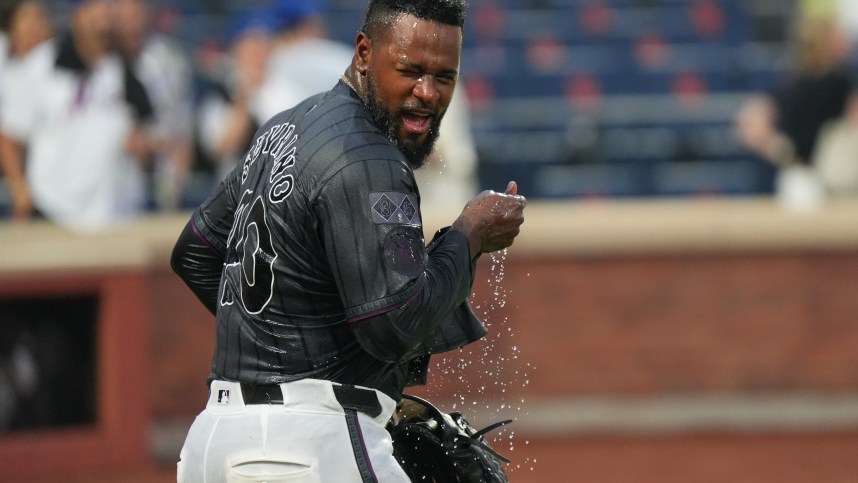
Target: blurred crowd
96,114
107,111
104,115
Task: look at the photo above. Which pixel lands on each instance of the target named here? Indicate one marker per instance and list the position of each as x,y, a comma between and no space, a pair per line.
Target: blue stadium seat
598,180
737,177
642,150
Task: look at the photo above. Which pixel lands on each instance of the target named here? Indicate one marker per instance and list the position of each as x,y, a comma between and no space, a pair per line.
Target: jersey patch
404,251
392,207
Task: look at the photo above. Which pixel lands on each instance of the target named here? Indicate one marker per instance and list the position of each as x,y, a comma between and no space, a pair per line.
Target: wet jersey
324,269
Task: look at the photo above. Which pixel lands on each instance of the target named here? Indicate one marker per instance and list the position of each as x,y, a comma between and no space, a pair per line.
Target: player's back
281,290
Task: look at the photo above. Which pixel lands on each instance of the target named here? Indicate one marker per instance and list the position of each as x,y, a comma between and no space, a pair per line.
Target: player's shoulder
338,129
331,133
336,110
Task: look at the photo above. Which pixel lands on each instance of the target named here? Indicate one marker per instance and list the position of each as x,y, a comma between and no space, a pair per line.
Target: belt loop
262,393
364,400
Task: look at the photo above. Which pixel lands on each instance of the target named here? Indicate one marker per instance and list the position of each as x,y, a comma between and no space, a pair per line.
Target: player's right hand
492,220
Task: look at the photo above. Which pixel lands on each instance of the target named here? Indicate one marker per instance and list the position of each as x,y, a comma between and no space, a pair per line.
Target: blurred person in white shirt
24,24
226,114
164,69
74,128
304,61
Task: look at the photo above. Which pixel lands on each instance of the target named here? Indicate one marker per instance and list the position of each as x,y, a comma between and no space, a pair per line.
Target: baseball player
311,255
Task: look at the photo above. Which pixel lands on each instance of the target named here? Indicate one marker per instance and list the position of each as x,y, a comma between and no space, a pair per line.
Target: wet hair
383,13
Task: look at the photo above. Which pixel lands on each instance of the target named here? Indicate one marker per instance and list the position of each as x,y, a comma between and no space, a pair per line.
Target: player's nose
426,89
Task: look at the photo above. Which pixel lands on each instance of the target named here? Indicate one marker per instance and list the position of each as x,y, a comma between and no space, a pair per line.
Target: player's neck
355,81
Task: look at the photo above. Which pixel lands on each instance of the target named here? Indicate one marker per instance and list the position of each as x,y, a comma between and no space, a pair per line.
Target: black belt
349,397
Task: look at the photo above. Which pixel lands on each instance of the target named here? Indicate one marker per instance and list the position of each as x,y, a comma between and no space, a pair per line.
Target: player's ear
363,52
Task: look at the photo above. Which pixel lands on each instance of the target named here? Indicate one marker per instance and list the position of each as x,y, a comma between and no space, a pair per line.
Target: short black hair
385,12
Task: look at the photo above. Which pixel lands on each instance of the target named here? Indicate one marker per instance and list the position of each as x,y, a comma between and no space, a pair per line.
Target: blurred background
573,98
681,304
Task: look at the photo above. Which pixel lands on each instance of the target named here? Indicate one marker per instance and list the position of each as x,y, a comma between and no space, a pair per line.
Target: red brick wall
622,327
685,324
608,327
744,313
183,334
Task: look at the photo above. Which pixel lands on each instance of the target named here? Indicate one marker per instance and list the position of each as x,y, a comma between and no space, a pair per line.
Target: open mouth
416,122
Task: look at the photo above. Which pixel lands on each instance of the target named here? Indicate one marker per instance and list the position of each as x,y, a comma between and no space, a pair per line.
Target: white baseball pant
309,437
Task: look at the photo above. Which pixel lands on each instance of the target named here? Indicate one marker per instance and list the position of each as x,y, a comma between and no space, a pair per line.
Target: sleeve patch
391,207
404,251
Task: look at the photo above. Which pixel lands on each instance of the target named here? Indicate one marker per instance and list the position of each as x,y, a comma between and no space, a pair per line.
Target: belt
349,397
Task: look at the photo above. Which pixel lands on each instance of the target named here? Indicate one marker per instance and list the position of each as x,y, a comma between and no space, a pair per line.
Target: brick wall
622,328
620,316
686,324
607,326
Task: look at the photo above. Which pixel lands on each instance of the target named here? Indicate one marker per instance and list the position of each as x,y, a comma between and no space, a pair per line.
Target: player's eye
411,73
447,79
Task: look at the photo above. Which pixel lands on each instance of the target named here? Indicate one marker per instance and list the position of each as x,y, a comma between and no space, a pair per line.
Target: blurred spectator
24,24
5,18
843,10
786,125
304,60
72,121
226,120
165,72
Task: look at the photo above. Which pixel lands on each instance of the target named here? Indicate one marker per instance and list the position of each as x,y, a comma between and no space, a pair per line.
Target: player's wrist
474,240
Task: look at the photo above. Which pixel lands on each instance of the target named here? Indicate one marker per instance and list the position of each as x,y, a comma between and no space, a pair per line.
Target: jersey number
250,241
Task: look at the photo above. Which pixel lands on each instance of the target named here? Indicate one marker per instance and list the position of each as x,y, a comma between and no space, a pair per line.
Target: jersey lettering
283,156
276,141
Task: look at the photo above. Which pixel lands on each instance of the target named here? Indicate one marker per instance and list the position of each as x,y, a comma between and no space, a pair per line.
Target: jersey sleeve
200,250
401,300
198,264
370,222
213,220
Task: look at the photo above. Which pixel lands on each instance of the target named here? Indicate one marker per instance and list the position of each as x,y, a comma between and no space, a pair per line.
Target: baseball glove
435,446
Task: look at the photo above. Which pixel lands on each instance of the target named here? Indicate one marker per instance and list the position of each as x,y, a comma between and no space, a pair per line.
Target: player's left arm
200,251
395,294
199,265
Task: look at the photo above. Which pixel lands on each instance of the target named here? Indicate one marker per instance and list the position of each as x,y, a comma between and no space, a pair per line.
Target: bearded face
415,148
409,71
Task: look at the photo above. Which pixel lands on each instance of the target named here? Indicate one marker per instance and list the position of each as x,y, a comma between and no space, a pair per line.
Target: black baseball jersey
321,266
